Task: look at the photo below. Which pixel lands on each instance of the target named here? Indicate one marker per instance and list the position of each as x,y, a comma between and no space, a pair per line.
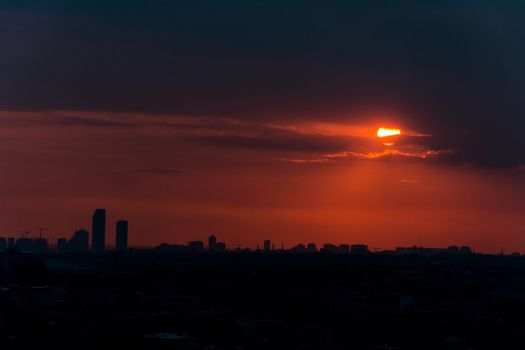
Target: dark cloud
90,122
281,142
455,69
17,120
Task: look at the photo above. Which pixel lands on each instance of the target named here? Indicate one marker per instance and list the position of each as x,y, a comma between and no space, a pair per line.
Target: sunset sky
259,120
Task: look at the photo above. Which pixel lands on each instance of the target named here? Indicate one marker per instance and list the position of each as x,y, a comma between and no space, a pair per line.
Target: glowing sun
384,132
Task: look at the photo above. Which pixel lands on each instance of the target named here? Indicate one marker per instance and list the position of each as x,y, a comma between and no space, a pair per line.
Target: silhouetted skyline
259,121
79,244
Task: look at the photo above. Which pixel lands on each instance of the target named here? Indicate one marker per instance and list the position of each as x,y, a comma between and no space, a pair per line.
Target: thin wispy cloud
307,161
51,119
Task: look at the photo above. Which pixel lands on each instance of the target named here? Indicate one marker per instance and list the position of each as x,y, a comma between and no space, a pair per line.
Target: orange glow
384,132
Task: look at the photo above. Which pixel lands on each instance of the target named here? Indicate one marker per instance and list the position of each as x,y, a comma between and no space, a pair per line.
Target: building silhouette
40,245
311,248
170,248
429,251
464,250
79,243
453,250
329,248
10,244
24,244
220,247
121,238
61,245
344,248
267,245
212,244
299,248
98,231
359,249
196,246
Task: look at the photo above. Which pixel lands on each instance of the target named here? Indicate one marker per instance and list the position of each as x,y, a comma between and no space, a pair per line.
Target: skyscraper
98,232
121,243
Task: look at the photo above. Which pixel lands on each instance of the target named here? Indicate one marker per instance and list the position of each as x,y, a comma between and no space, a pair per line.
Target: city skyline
358,121
118,241
79,242
266,175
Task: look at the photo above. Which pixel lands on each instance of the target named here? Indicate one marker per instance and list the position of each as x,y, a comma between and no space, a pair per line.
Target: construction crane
25,232
40,230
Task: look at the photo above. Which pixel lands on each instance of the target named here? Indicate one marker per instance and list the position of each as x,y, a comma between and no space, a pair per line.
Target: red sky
256,121
181,178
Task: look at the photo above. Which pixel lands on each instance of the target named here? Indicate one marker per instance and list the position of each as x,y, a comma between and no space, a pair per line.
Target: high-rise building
212,244
122,236
98,231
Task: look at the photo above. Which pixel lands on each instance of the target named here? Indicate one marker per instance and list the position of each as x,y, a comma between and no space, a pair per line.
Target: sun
384,132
